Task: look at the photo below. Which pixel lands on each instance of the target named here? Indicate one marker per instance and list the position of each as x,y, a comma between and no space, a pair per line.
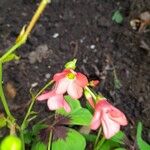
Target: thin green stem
45,87
38,12
89,90
98,135
24,123
25,35
32,103
2,96
11,50
100,143
19,42
47,118
22,139
50,140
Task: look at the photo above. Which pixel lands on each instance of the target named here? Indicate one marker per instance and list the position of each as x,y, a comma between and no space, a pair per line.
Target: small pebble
55,35
34,84
49,67
92,46
81,40
47,76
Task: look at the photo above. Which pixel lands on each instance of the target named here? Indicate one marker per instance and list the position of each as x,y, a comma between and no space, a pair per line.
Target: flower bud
88,96
94,83
71,64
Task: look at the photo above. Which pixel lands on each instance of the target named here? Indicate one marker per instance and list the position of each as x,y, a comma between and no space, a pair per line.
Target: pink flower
71,82
55,101
110,117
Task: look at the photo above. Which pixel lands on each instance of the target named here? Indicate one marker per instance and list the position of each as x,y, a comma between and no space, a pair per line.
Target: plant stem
24,123
100,143
16,46
28,30
22,139
50,140
3,99
47,118
10,50
38,12
32,103
98,135
89,90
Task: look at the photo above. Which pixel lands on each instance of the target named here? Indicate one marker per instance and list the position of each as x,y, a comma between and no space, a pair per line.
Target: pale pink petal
96,121
45,96
61,86
74,90
118,116
81,79
102,104
66,106
110,127
55,102
59,76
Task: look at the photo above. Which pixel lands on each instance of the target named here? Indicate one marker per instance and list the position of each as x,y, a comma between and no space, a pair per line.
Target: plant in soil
78,114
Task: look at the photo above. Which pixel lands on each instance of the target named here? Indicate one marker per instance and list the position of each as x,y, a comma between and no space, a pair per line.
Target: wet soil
83,30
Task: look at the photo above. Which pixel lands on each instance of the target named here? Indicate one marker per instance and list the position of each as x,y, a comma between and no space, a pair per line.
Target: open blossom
71,82
54,101
110,117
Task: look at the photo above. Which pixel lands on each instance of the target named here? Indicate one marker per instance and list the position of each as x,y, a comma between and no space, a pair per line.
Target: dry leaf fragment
141,22
10,90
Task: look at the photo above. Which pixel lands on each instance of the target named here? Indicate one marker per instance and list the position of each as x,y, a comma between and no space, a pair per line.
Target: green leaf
119,137
117,17
73,141
90,137
37,127
2,121
31,135
115,142
78,115
39,146
11,57
28,136
140,142
108,145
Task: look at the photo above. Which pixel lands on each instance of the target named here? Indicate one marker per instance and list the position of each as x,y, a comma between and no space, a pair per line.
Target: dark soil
84,30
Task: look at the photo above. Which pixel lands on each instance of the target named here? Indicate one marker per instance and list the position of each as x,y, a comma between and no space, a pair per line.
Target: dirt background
81,29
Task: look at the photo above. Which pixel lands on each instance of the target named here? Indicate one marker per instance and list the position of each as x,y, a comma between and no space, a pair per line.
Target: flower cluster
66,81
74,83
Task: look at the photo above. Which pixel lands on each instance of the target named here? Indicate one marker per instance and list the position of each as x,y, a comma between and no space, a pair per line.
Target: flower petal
61,86
110,127
96,121
59,76
55,102
118,116
74,90
45,96
81,79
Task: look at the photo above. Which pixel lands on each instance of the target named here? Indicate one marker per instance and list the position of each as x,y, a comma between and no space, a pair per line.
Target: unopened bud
89,98
94,83
71,64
